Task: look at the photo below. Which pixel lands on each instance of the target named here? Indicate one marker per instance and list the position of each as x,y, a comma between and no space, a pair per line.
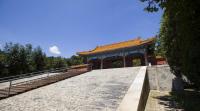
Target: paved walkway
98,90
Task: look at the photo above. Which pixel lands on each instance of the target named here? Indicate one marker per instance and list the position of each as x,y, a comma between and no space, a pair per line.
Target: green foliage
117,64
75,60
3,69
17,59
151,49
55,62
159,49
136,62
154,5
39,59
180,36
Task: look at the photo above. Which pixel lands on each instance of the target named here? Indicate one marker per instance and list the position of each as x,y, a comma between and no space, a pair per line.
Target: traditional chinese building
123,54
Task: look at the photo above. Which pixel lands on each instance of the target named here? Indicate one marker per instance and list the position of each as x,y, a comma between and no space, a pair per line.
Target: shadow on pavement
189,100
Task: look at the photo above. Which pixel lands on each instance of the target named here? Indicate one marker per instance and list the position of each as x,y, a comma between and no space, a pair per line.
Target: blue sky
74,25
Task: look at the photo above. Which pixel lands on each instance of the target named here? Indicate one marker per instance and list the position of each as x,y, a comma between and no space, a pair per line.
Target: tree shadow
188,100
168,102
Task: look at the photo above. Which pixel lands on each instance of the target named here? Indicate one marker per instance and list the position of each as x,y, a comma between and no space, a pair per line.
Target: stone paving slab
98,90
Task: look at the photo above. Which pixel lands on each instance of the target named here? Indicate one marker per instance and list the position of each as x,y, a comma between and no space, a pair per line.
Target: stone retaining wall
160,78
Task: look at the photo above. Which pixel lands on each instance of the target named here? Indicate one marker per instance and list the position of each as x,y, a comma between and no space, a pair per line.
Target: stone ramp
98,90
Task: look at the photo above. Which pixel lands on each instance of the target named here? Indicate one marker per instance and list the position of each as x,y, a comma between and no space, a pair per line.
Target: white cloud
54,50
1,46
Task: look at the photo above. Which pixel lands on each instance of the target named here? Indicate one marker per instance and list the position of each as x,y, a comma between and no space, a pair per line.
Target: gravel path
98,90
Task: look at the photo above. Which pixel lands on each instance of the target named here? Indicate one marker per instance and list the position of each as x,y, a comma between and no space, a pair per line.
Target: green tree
55,62
76,60
159,49
39,59
60,62
29,57
49,63
12,52
3,69
16,59
180,35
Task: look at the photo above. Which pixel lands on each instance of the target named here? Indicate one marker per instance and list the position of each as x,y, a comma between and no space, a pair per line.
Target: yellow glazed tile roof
120,45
